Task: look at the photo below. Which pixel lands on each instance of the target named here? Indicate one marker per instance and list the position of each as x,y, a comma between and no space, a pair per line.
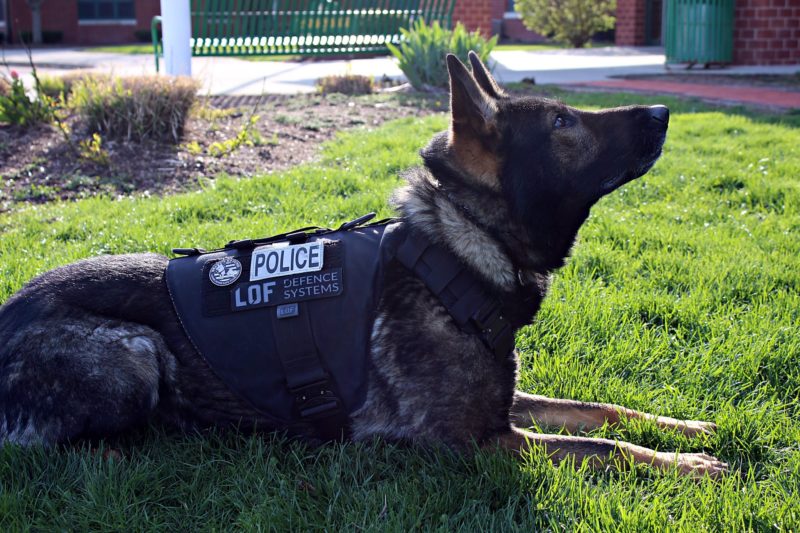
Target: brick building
81,21
119,21
765,32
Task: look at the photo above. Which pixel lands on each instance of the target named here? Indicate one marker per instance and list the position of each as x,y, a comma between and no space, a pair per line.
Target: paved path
593,67
224,75
748,95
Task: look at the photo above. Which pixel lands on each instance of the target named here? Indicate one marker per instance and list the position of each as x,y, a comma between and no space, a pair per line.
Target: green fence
699,31
304,27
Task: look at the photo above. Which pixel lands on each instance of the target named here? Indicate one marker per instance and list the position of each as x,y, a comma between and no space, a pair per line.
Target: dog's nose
660,113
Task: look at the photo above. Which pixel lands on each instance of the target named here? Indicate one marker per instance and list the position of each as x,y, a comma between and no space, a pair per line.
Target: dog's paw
693,428
696,465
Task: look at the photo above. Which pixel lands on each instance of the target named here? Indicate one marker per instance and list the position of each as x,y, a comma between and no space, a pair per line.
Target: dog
94,348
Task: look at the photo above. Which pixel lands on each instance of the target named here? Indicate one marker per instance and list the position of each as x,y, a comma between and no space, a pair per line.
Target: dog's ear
470,106
484,78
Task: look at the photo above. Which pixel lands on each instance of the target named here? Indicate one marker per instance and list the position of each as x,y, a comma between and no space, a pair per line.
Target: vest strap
460,291
315,397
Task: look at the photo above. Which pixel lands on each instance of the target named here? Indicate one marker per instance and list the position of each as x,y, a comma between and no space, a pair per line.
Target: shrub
146,36
134,108
16,107
56,86
48,37
52,86
345,84
567,21
422,52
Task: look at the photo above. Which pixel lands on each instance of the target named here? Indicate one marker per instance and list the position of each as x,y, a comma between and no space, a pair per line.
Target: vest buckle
494,329
315,400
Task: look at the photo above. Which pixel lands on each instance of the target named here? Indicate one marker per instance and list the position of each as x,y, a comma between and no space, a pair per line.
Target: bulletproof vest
285,321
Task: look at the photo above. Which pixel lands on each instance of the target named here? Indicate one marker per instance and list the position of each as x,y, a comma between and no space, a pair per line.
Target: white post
176,27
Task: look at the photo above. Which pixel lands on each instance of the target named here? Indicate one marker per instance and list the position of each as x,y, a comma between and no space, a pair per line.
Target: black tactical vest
285,321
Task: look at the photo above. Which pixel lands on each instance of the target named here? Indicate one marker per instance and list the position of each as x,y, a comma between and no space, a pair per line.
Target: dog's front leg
575,416
602,452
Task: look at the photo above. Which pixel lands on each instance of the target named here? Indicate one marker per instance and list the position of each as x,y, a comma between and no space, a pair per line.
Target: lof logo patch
225,271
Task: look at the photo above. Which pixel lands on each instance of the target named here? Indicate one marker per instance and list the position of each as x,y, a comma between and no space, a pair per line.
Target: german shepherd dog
94,348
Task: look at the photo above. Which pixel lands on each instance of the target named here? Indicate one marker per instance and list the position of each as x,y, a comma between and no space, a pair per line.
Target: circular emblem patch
225,271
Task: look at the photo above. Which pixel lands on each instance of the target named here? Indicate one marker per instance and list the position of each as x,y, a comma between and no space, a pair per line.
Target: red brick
777,22
776,44
783,54
759,44
768,13
765,34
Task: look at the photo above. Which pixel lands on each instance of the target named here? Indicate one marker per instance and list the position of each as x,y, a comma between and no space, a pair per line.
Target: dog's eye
560,122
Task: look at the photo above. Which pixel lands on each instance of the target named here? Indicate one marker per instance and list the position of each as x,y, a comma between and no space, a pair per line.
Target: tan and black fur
505,189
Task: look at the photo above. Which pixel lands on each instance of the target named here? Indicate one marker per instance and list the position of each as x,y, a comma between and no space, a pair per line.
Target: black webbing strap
460,292
315,398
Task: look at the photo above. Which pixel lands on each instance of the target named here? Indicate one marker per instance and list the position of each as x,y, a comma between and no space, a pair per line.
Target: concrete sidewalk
233,76
230,76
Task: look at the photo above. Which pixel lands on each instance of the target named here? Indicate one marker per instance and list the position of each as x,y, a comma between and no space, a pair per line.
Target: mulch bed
37,165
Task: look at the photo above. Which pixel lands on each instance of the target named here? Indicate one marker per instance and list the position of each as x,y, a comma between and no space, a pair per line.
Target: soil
38,164
782,82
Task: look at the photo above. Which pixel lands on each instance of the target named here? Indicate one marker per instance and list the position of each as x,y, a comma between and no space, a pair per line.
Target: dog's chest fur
428,380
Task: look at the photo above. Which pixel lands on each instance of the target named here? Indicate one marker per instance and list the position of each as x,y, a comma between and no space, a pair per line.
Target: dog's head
550,162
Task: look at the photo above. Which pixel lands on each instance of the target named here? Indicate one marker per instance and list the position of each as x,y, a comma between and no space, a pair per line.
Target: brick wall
62,15
477,14
514,30
766,32
630,23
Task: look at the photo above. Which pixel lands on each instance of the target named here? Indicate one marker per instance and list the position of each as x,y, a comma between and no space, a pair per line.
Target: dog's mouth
617,181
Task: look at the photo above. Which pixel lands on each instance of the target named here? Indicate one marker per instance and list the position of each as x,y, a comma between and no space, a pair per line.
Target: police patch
283,260
225,271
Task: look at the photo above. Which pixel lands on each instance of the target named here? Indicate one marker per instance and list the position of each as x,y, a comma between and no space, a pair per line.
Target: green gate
699,31
303,27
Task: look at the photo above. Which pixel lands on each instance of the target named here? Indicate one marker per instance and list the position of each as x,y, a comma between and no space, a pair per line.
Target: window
106,10
510,13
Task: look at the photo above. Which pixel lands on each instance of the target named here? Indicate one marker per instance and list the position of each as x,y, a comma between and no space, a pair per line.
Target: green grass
682,298
129,49
138,49
543,47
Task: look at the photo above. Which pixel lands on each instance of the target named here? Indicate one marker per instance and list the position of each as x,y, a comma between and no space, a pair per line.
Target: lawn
546,46
139,49
682,298
128,49
133,49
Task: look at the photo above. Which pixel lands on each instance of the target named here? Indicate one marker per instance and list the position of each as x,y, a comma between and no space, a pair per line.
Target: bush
52,86
134,108
55,86
345,84
567,21
146,36
48,37
16,107
422,52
